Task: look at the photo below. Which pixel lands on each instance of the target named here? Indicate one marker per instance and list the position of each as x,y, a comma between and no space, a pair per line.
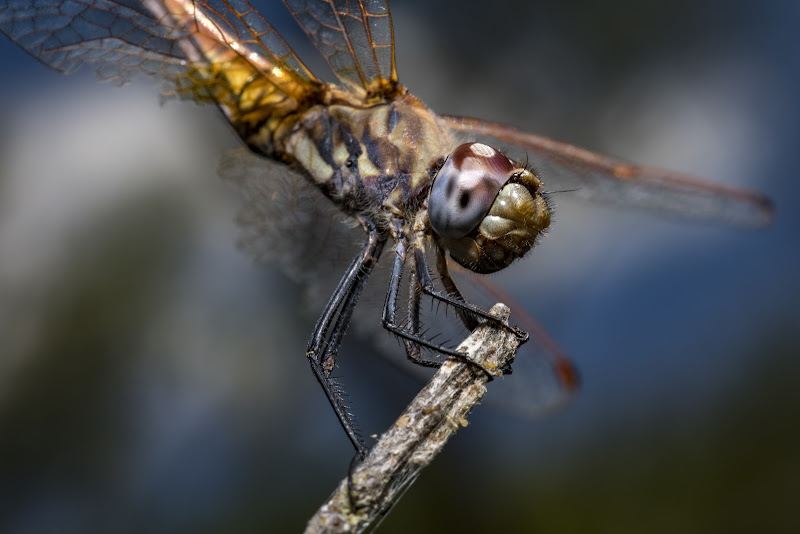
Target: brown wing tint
544,378
600,177
357,39
217,51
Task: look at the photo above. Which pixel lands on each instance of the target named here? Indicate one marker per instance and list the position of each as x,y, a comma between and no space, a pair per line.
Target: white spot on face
481,150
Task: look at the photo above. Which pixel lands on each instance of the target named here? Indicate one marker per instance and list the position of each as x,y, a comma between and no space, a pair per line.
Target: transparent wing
600,177
285,220
288,222
217,51
355,37
544,379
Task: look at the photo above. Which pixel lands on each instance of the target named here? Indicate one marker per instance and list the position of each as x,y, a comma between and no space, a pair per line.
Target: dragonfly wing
611,180
355,37
210,51
287,221
544,379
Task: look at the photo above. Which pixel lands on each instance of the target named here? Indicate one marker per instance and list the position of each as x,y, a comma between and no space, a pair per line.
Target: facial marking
482,151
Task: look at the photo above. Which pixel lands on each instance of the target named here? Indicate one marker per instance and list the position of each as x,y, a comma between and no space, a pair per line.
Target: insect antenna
562,191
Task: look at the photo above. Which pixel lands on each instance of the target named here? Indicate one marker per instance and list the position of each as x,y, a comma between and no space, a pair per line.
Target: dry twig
418,434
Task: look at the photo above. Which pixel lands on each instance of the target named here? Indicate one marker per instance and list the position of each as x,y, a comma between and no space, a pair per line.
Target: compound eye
465,187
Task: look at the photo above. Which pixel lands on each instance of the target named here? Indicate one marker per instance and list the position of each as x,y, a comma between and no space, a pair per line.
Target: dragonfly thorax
361,157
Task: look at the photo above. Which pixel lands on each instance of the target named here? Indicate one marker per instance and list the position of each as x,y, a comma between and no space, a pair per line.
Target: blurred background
152,376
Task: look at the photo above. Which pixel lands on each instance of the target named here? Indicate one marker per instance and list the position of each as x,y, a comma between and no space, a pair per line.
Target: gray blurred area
152,376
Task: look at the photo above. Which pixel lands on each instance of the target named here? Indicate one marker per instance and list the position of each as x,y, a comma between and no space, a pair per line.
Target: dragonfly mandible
427,184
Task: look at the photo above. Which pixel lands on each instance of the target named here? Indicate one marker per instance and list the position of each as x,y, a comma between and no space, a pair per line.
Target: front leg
467,312
410,334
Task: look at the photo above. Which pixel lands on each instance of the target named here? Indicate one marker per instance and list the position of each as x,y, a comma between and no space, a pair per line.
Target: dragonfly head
486,209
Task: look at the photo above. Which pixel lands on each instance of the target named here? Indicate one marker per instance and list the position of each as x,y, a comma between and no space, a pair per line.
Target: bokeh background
152,377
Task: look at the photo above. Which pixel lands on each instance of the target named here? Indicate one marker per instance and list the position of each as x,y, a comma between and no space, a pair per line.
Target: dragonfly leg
469,313
332,324
467,319
410,334
413,352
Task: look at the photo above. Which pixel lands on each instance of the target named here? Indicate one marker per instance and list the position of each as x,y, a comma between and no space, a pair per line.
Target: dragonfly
362,149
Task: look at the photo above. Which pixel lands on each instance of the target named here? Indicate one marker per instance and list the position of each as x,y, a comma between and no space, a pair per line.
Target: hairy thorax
376,160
